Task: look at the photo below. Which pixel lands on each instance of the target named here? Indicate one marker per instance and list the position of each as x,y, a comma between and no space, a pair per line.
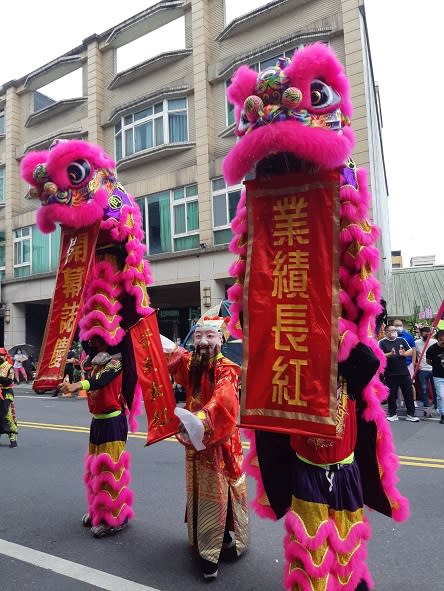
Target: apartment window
165,122
225,200
171,220
186,218
2,122
258,67
35,252
22,252
2,186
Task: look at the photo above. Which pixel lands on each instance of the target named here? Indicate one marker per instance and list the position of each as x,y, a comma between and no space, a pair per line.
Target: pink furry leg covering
325,549
107,479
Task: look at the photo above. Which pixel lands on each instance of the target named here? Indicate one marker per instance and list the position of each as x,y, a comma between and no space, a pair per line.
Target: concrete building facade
168,125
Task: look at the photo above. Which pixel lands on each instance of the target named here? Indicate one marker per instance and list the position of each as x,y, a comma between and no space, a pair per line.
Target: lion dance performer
8,421
101,288
305,301
215,482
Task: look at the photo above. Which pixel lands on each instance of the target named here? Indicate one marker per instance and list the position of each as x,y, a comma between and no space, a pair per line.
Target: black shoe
228,541
209,569
13,443
362,586
441,420
103,529
55,394
86,520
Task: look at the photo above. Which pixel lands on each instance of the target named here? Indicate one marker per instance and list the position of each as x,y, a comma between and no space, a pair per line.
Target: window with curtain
2,185
225,200
186,218
54,249
164,122
40,251
35,252
159,223
22,252
171,219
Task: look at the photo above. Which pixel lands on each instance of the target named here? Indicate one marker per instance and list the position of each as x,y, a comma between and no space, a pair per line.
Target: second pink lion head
302,107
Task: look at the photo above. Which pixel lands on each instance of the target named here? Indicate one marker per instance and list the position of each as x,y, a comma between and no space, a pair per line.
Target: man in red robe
215,483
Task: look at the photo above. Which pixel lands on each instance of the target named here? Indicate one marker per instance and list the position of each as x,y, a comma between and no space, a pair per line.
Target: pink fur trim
385,451
97,462
298,579
297,544
326,530
73,217
318,145
100,473
319,61
29,162
136,409
64,153
265,512
294,550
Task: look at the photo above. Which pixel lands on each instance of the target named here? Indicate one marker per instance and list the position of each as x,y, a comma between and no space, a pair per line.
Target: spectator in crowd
19,370
71,360
396,349
435,358
424,370
410,361
8,421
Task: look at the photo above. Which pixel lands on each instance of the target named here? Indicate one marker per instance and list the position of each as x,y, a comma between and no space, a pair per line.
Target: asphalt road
44,547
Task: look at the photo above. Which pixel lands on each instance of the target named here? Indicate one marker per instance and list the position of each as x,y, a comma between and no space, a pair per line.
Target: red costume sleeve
221,411
178,363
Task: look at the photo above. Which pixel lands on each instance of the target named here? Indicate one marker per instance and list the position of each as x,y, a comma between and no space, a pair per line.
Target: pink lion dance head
77,186
73,180
300,107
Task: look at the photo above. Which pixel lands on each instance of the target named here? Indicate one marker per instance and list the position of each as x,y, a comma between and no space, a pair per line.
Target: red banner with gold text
76,253
154,379
291,305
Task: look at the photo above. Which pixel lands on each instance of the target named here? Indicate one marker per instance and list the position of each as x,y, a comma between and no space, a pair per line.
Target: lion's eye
78,171
322,96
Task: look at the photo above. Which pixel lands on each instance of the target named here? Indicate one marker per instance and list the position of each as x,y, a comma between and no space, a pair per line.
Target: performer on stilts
306,298
216,505
101,287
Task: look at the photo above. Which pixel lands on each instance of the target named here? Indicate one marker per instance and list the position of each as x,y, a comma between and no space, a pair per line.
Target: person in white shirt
424,370
19,370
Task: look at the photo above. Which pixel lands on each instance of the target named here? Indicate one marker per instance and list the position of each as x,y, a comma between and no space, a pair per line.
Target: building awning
415,286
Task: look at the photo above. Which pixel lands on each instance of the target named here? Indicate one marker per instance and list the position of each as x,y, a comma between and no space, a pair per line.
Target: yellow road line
421,459
417,461
430,465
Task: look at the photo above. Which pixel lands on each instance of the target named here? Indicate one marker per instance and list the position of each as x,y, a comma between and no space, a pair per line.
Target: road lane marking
34,397
422,465
421,459
76,571
404,460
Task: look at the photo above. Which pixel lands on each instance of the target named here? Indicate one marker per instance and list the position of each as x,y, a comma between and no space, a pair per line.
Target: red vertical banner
154,379
77,249
291,305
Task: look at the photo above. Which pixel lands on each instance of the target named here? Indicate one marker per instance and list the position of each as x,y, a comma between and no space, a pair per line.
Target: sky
405,44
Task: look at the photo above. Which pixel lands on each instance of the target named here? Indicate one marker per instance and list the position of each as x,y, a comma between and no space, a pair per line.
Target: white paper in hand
193,426
167,345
